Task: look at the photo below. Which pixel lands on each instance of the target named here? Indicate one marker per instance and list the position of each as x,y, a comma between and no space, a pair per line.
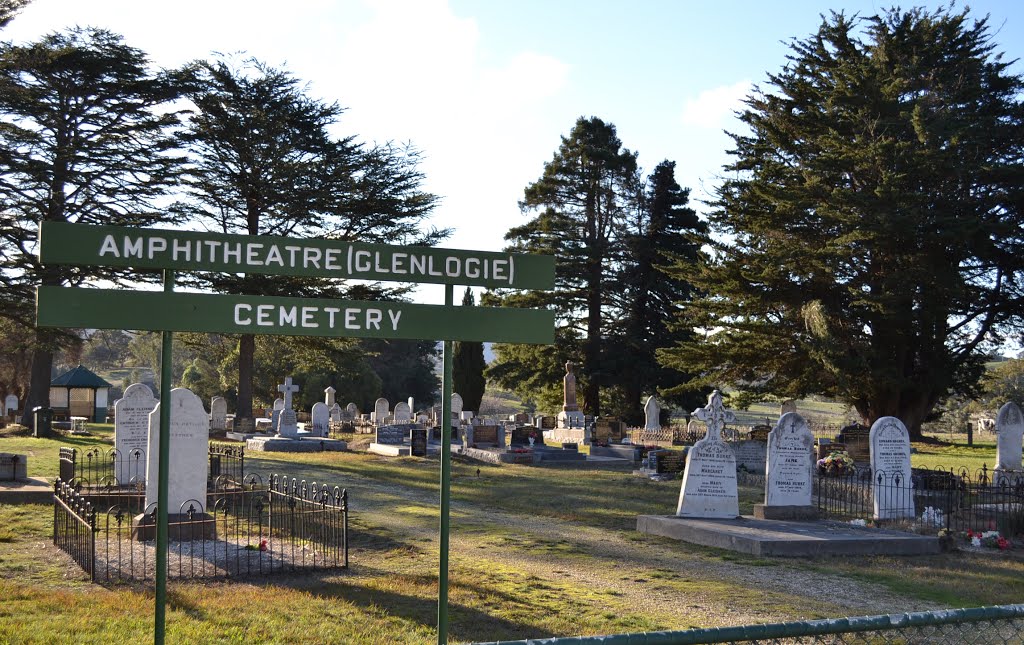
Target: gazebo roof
79,377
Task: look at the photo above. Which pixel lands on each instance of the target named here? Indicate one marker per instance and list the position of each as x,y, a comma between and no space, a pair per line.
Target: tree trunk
592,347
246,353
39,383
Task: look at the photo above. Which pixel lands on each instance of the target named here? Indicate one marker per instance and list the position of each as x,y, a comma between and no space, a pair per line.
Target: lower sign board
232,314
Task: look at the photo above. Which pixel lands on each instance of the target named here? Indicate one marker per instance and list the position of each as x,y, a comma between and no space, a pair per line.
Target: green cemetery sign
167,311
231,314
142,248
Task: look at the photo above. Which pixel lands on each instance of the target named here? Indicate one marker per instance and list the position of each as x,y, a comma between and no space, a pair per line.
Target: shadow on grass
465,623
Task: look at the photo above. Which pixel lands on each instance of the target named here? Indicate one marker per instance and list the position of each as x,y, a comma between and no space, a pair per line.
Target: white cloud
714,108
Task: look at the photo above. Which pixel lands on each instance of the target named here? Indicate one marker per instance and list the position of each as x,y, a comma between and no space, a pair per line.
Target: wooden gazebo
79,393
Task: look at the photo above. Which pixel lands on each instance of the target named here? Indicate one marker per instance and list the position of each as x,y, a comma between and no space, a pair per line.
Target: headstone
522,419
760,433
392,434
320,418
419,442
709,480
666,462
652,414
218,413
287,423
275,414
857,440
380,411
1009,437
10,404
457,405
751,455
548,422
412,405
13,467
789,405
335,413
403,414
329,396
466,416
521,435
188,457
131,432
790,469
890,469
570,416
485,434
352,411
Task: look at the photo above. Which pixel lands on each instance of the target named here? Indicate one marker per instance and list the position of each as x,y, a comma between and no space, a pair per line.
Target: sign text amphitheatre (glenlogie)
139,248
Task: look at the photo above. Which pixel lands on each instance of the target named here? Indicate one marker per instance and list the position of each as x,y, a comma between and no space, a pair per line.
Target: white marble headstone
380,411
329,396
402,412
789,472
457,405
789,405
1009,437
218,413
335,413
278,404
188,458
287,421
10,404
320,418
652,414
890,469
709,481
352,411
131,432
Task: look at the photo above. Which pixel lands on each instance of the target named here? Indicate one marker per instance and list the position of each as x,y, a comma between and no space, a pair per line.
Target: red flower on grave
263,545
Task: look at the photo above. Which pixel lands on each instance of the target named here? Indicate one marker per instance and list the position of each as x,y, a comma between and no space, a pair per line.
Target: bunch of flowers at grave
991,539
836,464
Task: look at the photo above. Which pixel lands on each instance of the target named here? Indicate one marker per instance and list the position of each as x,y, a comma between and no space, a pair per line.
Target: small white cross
715,416
287,388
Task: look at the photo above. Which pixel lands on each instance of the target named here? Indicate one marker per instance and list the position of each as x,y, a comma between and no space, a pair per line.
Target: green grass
508,581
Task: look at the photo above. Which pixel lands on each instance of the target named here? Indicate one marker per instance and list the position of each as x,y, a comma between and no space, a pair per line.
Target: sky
485,89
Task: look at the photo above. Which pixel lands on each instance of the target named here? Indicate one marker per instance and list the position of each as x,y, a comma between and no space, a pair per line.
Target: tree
1004,383
83,138
661,234
9,9
468,366
581,203
264,163
868,243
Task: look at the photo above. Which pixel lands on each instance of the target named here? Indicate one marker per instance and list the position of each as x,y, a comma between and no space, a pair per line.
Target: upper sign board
142,248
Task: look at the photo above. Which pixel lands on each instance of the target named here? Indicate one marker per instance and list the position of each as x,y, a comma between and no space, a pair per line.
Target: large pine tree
868,243
265,163
83,138
581,201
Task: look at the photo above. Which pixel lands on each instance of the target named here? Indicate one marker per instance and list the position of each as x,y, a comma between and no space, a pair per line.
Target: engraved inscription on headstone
131,432
394,434
790,468
1009,437
890,469
188,456
218,413
709,481
419,442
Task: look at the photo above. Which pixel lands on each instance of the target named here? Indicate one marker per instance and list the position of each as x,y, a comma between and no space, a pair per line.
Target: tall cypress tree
581,202
468,366
661,233
869,241
264,163
84,137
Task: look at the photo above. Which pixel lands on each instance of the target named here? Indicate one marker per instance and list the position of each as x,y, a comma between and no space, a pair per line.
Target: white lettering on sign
239,256
311,317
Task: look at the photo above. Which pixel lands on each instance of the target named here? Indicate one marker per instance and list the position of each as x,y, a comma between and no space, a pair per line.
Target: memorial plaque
393,434
485,434
419,442
668,461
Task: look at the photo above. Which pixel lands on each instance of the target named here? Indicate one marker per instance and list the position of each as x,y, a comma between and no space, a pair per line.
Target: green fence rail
999,624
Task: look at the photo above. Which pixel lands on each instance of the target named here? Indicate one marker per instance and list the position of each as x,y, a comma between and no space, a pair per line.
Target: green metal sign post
167,312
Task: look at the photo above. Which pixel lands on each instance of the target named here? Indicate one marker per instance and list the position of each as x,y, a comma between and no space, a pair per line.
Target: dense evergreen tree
868,241
265,164
661,234
83,138
468,366
582,201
